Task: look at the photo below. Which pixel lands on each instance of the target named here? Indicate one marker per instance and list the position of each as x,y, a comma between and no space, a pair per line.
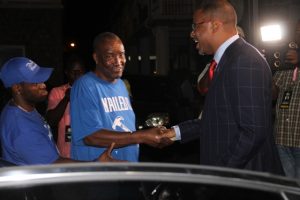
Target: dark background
82,21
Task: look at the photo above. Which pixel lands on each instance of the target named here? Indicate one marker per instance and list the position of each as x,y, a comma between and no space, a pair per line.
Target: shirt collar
219,53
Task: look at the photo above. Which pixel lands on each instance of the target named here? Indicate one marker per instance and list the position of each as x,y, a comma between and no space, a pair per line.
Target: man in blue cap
26,138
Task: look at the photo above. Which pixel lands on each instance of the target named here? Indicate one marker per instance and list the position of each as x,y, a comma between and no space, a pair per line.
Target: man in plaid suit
236,125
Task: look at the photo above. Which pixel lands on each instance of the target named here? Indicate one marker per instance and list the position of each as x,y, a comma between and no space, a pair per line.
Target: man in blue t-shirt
101,111
26,138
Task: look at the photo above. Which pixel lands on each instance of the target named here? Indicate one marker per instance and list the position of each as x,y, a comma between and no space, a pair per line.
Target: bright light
271,33
72,44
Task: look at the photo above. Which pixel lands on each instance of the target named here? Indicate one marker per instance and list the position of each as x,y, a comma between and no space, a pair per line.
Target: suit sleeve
249,89
190,130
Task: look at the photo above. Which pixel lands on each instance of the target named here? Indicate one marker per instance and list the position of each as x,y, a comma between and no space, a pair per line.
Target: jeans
290,159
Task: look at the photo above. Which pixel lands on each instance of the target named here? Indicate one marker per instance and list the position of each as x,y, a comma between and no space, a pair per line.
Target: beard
34,99
201,53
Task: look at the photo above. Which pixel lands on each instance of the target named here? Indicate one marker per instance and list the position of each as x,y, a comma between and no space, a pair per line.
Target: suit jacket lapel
226,57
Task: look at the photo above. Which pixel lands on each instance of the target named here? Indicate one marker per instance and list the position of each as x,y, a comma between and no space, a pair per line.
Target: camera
277,40
275,56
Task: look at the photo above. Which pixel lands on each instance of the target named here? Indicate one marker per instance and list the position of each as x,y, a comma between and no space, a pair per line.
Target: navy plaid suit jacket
236,126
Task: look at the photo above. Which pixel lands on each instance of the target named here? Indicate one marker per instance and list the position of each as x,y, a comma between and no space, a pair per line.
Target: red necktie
211,70
206,80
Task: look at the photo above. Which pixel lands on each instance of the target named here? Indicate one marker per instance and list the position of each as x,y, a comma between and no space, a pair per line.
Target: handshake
158,137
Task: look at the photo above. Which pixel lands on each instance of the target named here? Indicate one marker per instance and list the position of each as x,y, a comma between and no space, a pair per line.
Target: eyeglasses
195,25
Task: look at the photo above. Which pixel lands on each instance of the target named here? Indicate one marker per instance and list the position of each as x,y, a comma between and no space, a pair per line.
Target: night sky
83,20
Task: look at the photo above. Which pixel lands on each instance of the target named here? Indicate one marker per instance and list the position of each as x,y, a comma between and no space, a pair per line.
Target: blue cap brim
41,76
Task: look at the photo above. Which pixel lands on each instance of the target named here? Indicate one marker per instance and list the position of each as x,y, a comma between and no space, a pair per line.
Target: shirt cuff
177,132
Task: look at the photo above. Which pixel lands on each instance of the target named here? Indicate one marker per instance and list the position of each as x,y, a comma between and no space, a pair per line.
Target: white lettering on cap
31,65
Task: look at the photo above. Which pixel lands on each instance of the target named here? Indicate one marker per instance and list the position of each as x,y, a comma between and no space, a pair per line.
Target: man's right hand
157,137
170,133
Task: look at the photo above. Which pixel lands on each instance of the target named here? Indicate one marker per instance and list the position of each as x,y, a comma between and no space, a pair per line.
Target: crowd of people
93,119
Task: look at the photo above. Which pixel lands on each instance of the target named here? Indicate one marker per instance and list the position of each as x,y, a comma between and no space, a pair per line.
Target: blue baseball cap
21,69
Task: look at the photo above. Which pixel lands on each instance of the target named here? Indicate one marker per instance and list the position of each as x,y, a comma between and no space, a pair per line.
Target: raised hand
106,155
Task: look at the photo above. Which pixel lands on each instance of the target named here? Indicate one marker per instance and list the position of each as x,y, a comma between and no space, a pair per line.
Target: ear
95,58
16,89
216,26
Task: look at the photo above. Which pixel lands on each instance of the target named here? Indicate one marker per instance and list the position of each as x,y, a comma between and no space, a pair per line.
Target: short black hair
223,9
103,37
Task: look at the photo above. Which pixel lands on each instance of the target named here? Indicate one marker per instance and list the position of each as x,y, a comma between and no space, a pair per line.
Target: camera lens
277,63
293,45
276,54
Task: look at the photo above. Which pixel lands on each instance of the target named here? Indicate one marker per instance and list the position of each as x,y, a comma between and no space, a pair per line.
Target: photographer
286,89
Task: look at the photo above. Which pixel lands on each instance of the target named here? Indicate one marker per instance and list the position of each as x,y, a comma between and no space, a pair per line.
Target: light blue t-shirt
26,138
97,104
